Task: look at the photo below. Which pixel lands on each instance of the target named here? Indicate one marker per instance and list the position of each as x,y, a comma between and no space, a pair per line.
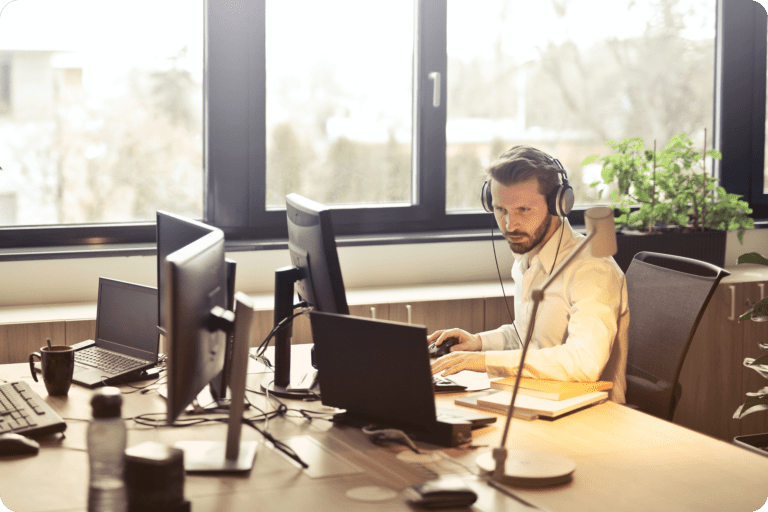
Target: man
580,333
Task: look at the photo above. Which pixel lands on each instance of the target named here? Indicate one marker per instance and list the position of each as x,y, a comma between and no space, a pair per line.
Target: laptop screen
126,319
376,370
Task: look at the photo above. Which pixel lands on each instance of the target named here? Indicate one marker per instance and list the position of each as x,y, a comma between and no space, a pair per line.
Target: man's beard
531,240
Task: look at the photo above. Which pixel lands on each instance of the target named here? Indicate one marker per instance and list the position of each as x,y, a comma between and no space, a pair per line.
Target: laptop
127,339
379,373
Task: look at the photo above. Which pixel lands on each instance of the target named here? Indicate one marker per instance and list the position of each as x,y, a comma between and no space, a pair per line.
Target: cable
501,282
281,325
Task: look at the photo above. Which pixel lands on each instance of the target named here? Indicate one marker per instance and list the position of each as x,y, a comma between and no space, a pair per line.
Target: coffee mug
58,365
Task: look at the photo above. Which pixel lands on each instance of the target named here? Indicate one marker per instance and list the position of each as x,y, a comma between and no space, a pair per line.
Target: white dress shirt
581,328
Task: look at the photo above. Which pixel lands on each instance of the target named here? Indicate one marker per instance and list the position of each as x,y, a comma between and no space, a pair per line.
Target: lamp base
525,468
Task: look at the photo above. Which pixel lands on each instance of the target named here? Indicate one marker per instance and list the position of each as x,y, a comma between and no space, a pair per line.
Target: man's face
521,213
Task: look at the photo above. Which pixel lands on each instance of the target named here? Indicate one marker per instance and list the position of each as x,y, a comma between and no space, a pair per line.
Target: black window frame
235,134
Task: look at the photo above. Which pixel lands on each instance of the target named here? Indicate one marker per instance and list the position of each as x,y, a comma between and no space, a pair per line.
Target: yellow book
550,389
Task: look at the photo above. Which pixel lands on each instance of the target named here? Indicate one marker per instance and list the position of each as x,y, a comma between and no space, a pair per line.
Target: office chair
667,297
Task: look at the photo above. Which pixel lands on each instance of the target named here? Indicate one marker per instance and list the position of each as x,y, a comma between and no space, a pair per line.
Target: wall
75,280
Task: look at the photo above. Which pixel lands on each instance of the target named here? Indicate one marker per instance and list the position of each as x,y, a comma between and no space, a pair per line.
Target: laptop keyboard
107,361
445,384
23,411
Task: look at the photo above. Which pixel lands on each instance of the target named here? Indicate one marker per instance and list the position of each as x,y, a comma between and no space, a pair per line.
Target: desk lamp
529,468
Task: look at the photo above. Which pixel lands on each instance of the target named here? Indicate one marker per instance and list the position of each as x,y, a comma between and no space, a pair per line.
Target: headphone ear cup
560,200
486,198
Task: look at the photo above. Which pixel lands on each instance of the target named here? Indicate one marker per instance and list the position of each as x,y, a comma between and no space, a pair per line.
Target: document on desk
544,408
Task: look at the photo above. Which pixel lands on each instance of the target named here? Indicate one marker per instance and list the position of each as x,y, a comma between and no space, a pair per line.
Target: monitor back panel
375,369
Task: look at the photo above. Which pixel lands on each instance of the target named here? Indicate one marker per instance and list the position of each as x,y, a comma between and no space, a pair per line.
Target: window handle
435,77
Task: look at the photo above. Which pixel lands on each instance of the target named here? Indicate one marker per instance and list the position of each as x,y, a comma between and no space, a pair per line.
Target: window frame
234,135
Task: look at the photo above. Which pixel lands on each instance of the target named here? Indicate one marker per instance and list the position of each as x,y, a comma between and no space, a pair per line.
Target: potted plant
669,193
755,401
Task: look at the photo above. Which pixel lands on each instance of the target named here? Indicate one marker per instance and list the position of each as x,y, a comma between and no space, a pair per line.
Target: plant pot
757,443
706,246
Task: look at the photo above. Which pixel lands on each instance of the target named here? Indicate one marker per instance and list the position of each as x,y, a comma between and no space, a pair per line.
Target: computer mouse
15,444
445,492
443,348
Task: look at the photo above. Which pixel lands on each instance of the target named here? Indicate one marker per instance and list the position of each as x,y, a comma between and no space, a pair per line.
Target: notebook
127,339
550,389
379,372
541,407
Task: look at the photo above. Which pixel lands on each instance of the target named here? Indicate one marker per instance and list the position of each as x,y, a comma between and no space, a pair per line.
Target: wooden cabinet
713,377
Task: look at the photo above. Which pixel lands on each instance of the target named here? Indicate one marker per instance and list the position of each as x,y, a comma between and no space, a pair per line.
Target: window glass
100,110
339,81
566,76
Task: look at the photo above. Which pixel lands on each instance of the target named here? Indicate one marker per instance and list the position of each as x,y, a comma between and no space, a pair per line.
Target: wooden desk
625,460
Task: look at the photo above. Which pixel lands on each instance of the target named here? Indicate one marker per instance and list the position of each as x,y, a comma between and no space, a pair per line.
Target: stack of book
538,398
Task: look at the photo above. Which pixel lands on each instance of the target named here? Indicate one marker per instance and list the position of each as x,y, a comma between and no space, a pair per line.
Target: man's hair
521,163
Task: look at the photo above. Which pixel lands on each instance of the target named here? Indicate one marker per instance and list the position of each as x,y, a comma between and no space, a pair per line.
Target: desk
625,460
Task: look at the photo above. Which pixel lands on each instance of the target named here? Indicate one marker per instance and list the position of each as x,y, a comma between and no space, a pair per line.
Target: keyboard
23,411
444,384
107,361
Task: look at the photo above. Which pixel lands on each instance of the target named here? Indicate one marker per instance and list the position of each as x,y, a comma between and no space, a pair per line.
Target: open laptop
379,372
127,339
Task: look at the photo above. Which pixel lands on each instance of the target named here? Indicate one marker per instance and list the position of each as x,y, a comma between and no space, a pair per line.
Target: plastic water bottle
106,453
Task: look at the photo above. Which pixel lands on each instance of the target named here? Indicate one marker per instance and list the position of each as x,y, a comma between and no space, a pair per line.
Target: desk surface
625,460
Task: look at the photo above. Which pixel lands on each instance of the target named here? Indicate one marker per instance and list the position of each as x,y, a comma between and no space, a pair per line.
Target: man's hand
466,341
458,361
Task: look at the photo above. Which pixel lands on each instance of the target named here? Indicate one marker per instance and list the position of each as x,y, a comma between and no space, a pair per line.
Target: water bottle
106,453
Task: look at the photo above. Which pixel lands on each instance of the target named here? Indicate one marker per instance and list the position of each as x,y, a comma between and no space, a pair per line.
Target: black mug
58,365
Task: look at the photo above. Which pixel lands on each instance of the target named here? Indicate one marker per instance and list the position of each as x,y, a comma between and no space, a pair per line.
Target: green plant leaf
590,159
752,401
752,257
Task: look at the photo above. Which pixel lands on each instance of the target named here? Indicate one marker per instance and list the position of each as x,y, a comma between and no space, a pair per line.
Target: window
556,76
104,109
389,112
339,101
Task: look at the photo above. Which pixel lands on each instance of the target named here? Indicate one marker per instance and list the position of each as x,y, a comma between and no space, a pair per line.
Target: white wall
75,280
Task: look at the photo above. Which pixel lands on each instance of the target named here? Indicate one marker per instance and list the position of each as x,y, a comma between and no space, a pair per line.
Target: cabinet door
711,390
467,314
17,341
498,311
754,333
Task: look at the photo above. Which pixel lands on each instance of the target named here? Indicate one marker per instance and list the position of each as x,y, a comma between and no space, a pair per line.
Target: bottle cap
106,402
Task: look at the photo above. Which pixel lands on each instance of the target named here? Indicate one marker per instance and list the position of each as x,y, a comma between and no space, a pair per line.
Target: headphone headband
559,201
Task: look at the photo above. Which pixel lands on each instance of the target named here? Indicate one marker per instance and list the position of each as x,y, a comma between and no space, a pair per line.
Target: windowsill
123,250
148,249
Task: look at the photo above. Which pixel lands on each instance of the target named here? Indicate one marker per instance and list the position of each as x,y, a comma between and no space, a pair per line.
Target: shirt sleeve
594,294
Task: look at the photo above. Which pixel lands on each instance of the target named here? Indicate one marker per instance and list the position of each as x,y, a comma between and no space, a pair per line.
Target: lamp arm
537,294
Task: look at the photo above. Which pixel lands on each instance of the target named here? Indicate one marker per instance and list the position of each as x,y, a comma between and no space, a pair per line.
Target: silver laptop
127,339
379,371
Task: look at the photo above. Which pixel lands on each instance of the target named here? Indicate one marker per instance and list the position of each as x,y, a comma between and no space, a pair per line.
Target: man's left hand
455,362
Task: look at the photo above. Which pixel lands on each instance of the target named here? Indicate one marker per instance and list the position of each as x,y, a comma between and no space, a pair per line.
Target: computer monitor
173,233
195,284
315,274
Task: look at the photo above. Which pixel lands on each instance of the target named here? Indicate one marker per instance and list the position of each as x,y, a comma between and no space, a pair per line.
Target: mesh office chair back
667,297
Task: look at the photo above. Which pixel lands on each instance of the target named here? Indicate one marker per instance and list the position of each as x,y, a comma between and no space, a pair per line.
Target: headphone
559,201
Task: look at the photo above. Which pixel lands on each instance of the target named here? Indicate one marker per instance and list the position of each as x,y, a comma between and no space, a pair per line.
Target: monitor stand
281,386
233,455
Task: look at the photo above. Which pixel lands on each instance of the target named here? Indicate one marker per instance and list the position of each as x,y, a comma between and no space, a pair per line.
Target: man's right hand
466,341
